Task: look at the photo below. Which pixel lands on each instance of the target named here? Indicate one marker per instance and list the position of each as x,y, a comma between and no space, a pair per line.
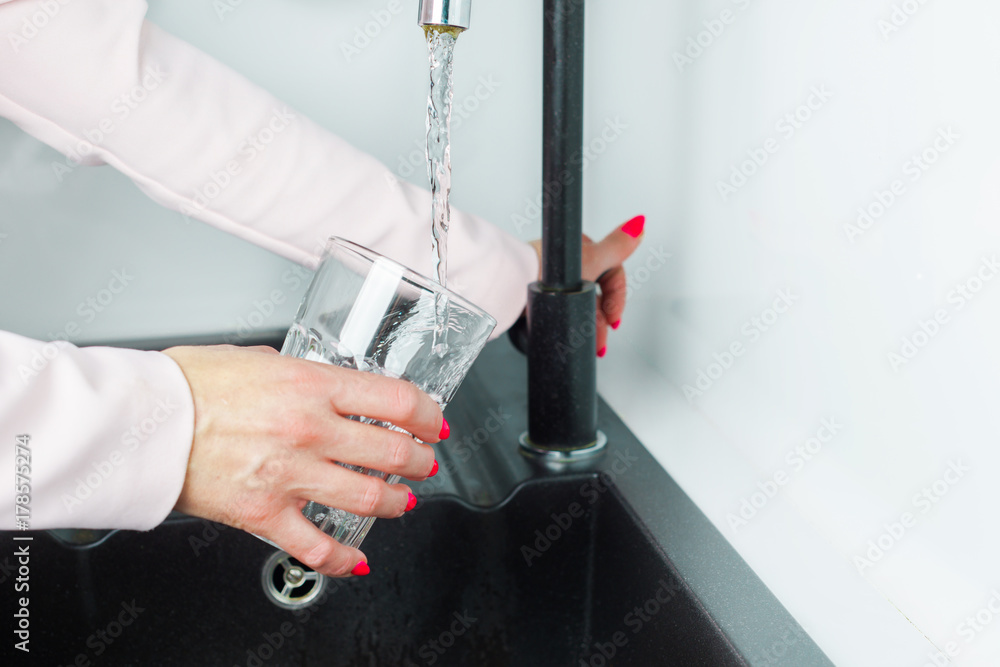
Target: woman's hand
602,263
268,430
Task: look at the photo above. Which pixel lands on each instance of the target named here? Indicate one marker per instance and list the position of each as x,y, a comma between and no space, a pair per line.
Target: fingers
602,333
379,448
302,540
614,287
602,262
614,248
336,486
386,399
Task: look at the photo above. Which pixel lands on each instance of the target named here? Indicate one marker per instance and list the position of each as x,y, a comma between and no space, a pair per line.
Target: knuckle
613,303
400,450
311,375
406,401
614,282
341,563
304,429
372,494
319,554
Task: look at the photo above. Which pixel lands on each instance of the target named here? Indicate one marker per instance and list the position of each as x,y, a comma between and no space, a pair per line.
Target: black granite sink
504,562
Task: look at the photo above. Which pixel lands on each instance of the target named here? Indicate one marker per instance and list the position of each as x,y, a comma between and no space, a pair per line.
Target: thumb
614,248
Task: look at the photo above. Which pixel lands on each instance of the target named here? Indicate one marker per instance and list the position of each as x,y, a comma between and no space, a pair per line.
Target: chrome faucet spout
449,13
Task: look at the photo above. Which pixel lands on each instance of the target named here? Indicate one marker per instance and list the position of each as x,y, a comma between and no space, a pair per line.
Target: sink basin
505,561
451,585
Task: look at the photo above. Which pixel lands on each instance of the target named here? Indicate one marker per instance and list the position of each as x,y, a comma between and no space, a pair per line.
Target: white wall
684,130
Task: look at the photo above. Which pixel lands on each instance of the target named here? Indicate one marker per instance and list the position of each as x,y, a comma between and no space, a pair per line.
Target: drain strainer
290,584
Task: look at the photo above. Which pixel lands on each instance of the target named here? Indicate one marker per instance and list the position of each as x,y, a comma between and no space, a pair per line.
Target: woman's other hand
602,263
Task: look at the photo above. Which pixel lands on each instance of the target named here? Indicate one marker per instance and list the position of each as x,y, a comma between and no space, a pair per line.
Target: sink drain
290,584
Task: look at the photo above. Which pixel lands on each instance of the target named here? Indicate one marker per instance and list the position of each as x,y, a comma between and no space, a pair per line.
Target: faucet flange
562,459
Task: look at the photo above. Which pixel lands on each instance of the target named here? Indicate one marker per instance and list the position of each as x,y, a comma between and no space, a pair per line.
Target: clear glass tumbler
369,313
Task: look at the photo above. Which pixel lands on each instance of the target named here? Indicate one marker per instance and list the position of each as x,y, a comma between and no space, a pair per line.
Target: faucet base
562,366
559,457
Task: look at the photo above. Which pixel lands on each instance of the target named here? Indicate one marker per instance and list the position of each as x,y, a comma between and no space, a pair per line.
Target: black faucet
561,315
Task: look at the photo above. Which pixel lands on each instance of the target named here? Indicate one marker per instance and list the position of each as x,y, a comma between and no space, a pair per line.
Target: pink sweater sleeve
107,435
110,430
97,82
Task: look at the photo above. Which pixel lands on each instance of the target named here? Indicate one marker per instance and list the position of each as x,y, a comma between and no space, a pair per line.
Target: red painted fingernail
616,324
411,503
601,352
634,226
434,470
445,431
361,569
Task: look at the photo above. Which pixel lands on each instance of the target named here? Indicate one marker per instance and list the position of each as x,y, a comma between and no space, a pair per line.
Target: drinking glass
366,312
